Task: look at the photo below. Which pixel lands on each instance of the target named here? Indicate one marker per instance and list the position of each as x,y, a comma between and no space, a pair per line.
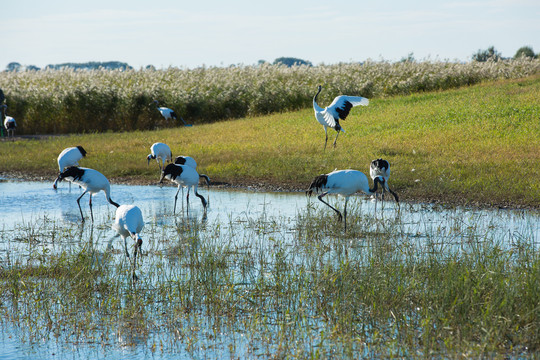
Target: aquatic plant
246,288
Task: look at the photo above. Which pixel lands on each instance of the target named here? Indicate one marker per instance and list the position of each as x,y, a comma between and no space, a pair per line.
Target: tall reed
69,101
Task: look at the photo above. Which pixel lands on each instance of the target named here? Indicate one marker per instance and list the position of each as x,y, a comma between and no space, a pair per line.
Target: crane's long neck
315,105
376,182
107,191
205,177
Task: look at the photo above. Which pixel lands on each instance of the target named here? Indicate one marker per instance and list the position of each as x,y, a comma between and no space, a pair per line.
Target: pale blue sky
219,33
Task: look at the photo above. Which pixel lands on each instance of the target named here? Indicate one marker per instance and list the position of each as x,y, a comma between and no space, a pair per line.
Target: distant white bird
167,113
380,168
344,183
92,181
160,152
186,176
69,157
129,223
338,109
9,122
185,160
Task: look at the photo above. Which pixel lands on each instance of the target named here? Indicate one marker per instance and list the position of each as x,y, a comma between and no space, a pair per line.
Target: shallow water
25,201
30,202
32,213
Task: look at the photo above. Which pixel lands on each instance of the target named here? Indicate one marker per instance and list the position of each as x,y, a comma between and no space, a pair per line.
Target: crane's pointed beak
56,182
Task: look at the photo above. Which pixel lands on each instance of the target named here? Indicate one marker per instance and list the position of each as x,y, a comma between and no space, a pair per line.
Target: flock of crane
128,220
183,171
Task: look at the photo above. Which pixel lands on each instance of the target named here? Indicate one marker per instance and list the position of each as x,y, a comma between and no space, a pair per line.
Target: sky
189,34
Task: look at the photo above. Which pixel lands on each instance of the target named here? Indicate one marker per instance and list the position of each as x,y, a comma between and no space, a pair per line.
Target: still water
30,202
27,210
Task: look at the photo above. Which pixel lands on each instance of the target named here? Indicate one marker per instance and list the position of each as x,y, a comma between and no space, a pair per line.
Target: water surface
33,215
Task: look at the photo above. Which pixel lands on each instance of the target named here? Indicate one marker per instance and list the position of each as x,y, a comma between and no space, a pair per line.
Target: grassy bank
478,144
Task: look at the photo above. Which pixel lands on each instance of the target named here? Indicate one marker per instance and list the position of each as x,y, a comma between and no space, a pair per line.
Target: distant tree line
91,65
491,54
290,61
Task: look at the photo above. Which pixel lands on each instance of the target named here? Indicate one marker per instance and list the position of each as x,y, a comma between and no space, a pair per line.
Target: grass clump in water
393,286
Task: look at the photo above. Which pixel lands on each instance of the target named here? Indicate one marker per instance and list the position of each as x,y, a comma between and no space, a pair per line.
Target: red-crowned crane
338,109
9,122
69,157
160,152
185,160
188,161
187,176
129,223
168,114
344,183
92,181
380,168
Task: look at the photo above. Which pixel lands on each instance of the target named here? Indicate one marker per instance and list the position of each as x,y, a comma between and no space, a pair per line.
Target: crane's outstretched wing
342,105
327,118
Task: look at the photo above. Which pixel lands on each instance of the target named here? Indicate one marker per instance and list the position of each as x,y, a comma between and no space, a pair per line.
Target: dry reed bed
68,101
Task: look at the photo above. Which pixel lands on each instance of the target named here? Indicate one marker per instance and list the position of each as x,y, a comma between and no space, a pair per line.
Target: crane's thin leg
138,249
135,252
91,212
79,203
125,246
176,198
394,194
345,212
336,138
138,246
182,199
340,217
326,137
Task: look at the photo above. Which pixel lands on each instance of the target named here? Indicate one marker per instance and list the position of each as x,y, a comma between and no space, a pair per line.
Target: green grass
475,145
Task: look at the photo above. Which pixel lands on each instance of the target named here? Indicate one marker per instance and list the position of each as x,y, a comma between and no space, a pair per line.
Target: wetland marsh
265,275
274,275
